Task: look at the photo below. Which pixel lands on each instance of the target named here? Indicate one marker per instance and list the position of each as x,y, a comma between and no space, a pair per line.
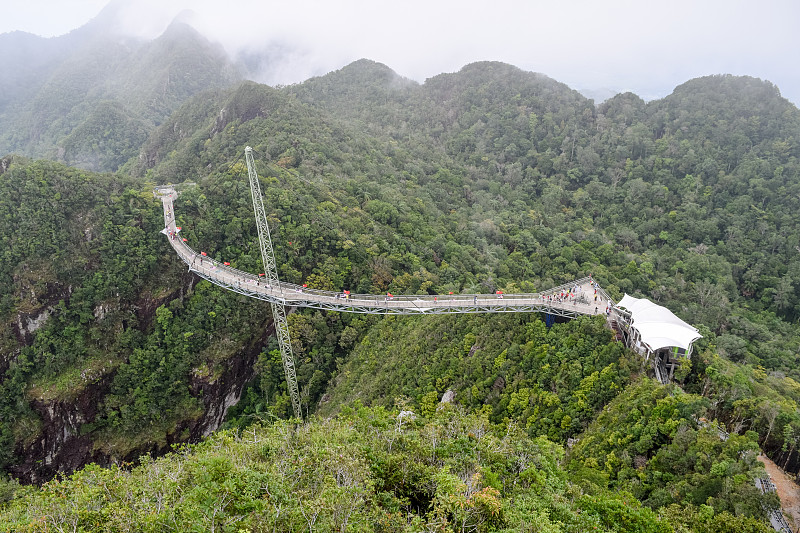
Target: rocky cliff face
224,392
65,438
60,446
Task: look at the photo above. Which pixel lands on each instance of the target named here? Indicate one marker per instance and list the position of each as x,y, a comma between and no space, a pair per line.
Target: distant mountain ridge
92,97
89,98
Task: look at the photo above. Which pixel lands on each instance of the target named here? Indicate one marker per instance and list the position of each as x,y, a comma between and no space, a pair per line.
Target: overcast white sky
638,45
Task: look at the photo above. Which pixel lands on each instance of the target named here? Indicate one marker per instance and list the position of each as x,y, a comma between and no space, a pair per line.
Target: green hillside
366,470
487,179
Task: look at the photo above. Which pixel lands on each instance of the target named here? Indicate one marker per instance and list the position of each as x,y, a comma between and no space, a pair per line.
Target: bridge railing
289,292
566,286
293,291
196,260
579,282
605,295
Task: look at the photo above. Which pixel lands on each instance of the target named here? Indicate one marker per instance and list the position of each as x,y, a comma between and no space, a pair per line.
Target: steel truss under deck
292,295
379,306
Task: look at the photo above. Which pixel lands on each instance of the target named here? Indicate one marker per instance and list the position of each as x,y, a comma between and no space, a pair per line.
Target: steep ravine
65,437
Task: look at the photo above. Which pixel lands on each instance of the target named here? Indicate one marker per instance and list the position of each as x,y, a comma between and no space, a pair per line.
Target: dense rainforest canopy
487,179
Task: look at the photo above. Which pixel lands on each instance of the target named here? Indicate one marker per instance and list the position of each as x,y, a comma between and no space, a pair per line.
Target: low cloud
618,44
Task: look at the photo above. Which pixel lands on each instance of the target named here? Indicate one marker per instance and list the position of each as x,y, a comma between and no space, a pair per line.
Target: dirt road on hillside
788,491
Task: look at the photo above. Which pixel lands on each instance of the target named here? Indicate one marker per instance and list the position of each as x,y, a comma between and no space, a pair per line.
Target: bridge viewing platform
570,300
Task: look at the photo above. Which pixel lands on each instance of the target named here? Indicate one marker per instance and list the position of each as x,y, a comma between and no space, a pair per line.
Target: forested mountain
484,179
90,98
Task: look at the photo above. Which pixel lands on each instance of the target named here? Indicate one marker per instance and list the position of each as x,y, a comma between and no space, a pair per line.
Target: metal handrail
295,294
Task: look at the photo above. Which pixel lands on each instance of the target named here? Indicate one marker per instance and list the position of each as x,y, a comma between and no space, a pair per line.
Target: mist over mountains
91,97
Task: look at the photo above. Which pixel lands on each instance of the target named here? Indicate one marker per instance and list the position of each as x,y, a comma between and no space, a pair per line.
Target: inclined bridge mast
271,275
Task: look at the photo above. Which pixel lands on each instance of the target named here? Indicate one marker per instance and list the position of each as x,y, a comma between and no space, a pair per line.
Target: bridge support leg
549,320
285,344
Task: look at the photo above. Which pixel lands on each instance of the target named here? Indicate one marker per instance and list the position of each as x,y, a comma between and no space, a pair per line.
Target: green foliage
651,442
361,471
107,139
552,381
749,398
702,519
83,275
91,98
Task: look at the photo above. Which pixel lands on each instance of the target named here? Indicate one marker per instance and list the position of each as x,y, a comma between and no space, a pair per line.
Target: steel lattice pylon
271,274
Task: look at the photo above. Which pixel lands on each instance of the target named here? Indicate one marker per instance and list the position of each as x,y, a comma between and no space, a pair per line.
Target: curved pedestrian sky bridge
645,327
580,297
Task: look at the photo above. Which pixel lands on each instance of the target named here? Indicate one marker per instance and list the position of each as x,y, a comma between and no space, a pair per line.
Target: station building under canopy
654,331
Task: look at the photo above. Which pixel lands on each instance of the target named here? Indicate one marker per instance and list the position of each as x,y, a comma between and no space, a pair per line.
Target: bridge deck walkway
585,298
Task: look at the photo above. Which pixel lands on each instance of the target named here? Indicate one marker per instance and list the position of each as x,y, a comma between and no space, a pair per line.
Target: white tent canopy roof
658,327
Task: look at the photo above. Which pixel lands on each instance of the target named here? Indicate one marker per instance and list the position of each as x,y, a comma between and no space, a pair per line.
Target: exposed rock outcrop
64,437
